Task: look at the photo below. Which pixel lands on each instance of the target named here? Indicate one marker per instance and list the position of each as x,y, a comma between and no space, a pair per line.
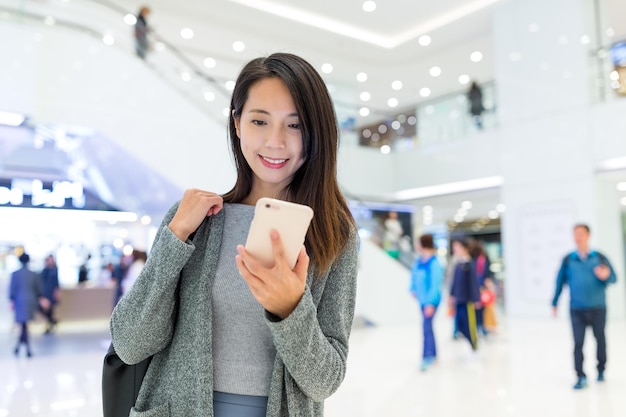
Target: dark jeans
465,319
430,347
596,318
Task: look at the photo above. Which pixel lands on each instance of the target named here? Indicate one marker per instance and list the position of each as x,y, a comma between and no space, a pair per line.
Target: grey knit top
243,351
168,315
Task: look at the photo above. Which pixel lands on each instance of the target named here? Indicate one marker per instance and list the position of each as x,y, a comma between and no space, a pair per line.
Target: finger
251,265
302,264
251,279
277,246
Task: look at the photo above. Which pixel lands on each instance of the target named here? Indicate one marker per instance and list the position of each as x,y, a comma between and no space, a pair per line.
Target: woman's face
270,136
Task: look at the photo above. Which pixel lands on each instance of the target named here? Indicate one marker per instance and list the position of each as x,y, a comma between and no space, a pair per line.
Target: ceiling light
466,205
130,19
493,214
392,102
585,39
622,201
186,33
425,92
108,40
476,56
11,119
365,96
382,129
375,137
361,77
614,75
458,218
621,186
367,133
435,72
239,46
501,208
610,32
49,20
145,220
448,188
396,85
230,85
210,62
386,149
186,76
395,125
159,46
533,28
424,40
412,120
369,6
209,96
613,164
464,79
327,68
364,111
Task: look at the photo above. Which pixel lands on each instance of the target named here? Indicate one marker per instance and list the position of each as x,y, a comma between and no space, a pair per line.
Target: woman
426,284
230,337
25,294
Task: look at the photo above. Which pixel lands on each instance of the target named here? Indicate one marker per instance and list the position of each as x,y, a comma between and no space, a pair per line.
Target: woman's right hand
194,207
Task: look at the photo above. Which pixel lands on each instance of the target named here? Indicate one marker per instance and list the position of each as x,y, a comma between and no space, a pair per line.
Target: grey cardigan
167,313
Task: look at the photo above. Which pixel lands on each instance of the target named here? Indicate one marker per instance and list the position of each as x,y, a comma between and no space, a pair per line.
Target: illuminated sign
31,193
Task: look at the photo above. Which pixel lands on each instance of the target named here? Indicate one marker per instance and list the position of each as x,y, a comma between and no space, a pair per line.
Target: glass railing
112,25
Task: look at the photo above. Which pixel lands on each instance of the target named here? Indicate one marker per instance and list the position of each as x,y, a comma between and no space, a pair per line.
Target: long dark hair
315,182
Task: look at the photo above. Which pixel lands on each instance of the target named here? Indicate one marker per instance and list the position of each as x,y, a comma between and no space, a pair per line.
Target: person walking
50,290
141,32
587,272
227,335
464,293
476,109
25,294
426,286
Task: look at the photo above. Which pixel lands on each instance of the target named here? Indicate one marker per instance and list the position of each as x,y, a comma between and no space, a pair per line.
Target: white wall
59,76
383,296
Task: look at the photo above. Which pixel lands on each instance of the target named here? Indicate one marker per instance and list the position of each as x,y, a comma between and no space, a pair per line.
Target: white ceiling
383,43
217,24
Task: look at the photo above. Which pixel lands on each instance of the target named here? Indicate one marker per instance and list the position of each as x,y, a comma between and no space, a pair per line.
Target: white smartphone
291,220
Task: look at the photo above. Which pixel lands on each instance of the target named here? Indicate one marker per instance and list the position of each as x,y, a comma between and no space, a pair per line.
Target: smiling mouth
273,161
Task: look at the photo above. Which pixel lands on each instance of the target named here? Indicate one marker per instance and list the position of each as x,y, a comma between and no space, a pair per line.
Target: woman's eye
295,125
258,122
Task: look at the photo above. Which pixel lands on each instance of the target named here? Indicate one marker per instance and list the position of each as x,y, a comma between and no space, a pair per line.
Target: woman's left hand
278,289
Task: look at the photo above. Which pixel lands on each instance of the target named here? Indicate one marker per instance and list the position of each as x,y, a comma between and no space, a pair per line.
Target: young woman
426,286
230,337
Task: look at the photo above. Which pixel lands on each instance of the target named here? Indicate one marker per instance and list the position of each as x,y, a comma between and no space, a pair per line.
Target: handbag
120,384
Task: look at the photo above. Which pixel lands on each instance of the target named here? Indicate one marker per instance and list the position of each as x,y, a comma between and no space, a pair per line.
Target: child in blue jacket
426,284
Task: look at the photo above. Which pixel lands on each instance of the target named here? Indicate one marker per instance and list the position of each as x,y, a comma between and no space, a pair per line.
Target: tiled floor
524,371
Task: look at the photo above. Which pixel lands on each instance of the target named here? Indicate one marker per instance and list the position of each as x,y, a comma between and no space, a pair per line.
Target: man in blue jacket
587,273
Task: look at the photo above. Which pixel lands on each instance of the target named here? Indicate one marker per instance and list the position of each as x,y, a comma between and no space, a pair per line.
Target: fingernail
274,235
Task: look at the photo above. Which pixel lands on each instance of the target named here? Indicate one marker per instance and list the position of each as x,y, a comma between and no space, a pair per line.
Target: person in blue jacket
426,283
587,273
25,295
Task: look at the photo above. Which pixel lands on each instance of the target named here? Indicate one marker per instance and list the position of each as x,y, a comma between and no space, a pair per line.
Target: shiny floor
525,371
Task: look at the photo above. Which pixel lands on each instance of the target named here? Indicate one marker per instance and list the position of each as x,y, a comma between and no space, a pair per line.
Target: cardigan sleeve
142,322
312,341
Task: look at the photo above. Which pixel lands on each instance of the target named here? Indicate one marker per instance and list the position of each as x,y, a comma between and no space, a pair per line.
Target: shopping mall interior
98,142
